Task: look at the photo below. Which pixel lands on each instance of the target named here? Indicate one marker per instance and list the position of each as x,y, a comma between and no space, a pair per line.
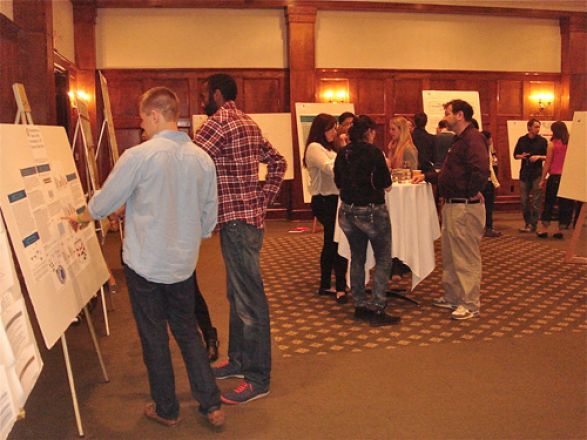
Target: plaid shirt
235,144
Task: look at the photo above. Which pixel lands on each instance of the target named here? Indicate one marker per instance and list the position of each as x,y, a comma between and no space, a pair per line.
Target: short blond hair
162,99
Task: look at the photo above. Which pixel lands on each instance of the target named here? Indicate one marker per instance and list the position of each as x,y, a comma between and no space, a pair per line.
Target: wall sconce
78,94
336,96
543,100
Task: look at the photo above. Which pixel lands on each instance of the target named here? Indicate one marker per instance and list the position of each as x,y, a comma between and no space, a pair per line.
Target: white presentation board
39,185
20,360
276,128
305,114
517,129
433,101
574,177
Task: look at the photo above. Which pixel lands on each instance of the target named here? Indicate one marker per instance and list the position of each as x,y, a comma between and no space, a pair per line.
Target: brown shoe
151,413
216,418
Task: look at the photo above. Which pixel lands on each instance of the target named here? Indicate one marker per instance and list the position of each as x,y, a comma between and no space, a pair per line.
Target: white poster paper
434,100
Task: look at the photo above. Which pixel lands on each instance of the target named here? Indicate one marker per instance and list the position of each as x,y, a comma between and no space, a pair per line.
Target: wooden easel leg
105,311
95,341
78,419
571,255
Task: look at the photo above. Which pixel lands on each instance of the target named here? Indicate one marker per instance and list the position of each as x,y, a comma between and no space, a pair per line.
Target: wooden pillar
573,65
35,19
301,21
10,69
84,24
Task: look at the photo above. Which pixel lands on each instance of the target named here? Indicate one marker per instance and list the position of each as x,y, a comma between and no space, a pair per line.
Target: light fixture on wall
334,91
335,95
78,94
543,99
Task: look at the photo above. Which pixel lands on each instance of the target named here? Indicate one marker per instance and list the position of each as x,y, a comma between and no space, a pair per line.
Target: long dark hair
560,131
361,124
321,124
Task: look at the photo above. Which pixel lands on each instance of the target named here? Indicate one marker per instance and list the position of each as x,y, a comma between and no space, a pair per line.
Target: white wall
436,41
6,8
63,40
190,38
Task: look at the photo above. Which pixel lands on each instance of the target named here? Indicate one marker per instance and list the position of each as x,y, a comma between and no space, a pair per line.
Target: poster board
305,114
433,101
39,185
574,177
20,360
108,119
517,129
276,128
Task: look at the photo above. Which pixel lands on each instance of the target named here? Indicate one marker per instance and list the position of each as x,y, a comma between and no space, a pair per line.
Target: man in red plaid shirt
236,145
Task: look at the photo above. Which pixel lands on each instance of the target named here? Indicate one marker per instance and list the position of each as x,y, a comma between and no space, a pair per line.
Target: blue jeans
154,306
249,341
363,224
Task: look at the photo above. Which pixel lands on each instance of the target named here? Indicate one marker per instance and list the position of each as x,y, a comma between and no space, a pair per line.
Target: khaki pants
462,228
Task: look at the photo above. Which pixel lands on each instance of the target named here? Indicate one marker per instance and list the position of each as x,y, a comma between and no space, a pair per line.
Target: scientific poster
434,100
276,128
517,129
39,186
20,361
574,177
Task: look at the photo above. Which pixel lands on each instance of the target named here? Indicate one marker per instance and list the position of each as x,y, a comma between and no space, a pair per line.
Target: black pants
324,209
565,206
489,195
202,313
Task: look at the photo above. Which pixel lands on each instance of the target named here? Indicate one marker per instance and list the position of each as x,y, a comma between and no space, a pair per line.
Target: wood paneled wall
9,68
503,96
259,91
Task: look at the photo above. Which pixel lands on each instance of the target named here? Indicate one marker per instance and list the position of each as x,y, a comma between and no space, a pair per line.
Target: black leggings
565,206
324,209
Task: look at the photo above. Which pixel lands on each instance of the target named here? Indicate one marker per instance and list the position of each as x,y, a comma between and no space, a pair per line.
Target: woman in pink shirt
553,166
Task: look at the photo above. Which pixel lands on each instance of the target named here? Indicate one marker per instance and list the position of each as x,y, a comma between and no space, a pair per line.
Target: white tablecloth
414,227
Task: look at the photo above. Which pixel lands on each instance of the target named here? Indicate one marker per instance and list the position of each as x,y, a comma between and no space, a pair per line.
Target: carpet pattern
526,289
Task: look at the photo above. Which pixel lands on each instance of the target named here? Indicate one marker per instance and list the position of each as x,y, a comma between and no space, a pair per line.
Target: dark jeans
361,225
202,313
249,342
324,209
489,195
565,206
154,306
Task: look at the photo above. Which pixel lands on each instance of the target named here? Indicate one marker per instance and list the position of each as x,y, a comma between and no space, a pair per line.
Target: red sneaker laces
242,387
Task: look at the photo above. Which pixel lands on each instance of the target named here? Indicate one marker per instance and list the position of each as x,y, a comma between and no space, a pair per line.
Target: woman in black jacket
361,174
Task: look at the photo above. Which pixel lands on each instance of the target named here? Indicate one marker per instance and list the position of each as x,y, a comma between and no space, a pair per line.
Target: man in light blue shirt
169,187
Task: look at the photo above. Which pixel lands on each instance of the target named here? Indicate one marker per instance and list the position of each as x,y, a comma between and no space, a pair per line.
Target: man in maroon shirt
463,175
236,145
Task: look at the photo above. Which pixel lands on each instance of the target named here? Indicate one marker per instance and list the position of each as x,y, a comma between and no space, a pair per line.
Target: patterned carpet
526,290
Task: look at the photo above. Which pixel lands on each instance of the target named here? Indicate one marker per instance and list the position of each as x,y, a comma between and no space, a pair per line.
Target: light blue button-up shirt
169,187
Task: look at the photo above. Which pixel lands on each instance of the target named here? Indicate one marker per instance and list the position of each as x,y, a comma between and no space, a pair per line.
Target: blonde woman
401,152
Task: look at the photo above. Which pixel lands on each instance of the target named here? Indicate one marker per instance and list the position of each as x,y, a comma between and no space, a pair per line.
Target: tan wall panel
436,41
190,38
6,8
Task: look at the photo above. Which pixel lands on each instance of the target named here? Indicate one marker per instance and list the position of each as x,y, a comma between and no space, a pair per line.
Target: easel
24,115
108,124
571,255
84,130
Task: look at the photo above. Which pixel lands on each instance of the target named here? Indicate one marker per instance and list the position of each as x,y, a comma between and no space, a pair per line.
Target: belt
465,201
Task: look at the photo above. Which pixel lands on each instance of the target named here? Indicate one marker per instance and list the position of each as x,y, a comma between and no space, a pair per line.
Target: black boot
212,344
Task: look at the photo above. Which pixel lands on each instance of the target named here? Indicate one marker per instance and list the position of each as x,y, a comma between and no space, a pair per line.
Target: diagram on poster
305,114
20,361
39,186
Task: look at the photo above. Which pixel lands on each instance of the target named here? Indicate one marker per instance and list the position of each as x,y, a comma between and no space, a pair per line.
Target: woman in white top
319,159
